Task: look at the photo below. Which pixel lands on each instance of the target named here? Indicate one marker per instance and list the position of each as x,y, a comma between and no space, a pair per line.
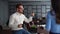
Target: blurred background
39,7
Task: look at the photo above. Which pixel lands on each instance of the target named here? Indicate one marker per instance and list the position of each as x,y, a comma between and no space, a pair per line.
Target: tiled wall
40,8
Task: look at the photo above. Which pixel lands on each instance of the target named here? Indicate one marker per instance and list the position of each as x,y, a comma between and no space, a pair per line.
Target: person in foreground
53,18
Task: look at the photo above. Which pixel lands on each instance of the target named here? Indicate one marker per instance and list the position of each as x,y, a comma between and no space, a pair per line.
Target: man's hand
20,26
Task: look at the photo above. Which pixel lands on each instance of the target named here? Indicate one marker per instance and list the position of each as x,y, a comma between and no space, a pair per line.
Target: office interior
39,7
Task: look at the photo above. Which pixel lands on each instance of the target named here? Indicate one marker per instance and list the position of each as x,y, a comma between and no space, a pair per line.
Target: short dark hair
17,6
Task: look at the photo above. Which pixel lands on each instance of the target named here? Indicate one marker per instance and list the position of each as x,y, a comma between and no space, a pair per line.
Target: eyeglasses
20,8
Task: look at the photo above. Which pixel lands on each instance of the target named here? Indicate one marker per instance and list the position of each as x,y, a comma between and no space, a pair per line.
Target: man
16,20
53,18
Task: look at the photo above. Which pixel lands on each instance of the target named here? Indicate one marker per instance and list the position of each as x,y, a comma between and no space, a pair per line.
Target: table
41,31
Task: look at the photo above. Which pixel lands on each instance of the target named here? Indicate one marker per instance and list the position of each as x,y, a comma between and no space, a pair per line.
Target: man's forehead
21,6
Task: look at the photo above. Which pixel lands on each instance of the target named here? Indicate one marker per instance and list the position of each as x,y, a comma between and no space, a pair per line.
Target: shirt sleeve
11,22
28,19
48,22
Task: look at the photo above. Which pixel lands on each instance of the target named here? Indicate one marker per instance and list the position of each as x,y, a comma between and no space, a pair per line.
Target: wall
39,7
3,12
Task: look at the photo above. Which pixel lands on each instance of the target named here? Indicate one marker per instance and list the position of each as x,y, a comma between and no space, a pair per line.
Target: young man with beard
16,21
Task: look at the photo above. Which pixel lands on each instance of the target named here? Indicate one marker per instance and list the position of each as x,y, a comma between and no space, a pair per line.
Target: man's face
33,14
20,9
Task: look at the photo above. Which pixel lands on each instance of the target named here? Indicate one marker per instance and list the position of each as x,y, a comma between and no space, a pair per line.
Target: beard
20,11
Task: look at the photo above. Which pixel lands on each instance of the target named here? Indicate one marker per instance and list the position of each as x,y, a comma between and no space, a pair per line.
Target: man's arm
28,19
